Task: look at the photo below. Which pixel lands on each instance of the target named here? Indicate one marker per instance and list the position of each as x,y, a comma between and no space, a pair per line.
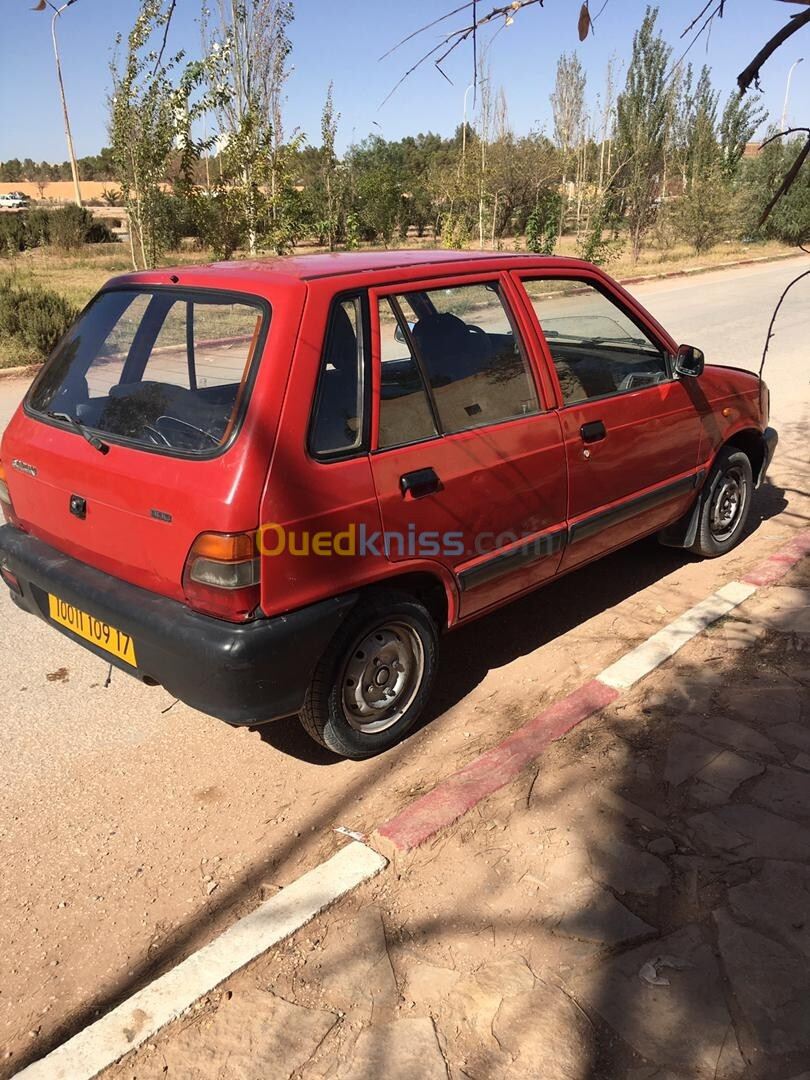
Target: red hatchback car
270,486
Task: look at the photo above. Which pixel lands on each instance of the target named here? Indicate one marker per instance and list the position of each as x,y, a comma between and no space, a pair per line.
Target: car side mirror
398,334
689,361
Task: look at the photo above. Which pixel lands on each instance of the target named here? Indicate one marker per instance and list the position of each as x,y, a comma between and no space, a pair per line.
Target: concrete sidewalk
636,905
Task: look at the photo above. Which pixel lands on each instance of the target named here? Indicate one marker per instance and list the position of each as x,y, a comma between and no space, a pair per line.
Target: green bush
37,227
36,317
67,228
543,222
13,237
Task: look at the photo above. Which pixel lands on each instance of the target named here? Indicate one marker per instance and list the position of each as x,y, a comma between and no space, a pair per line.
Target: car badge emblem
24,467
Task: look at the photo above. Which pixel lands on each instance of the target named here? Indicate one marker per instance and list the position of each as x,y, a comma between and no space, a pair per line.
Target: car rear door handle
418,484
593,432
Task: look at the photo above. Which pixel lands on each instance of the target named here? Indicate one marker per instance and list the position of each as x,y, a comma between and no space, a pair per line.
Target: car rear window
163,368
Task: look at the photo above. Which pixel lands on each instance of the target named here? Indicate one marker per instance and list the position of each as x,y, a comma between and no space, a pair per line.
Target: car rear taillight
764,401
221,575
5,498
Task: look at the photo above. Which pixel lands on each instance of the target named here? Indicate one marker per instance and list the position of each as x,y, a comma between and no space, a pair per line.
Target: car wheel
371,685
725,503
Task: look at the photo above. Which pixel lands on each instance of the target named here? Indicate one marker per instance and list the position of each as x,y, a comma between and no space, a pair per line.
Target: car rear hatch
126,449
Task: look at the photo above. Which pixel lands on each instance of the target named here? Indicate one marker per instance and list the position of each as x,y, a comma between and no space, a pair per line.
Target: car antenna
788,287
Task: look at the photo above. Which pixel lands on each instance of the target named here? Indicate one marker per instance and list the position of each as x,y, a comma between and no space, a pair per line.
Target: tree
375,176
330,168
541,227
704,212
568,108
790,219
248,49
148,115
643,111
741,118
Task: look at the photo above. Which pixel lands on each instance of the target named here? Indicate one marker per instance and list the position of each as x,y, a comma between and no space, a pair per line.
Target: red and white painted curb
460,792
143,1015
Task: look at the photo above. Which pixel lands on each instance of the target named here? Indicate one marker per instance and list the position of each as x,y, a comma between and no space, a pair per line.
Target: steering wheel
638,380
184,423
157,438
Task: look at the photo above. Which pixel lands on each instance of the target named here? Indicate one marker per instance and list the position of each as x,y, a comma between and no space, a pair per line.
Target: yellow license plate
93,630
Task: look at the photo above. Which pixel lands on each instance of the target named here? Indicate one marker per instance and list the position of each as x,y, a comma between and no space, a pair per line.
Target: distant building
752,149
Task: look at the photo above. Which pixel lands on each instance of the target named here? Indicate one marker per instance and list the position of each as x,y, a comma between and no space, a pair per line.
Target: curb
168,997
461,791
28,371
691,271
144,1014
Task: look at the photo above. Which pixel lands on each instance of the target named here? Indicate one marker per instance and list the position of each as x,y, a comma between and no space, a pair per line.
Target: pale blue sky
343,42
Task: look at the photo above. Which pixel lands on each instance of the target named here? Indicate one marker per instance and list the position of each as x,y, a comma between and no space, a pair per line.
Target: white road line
145,1013
658,648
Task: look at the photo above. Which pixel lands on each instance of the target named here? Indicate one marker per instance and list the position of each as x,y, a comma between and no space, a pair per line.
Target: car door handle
418,484
593,432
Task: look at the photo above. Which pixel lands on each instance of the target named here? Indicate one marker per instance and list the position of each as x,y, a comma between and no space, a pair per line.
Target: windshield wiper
77,425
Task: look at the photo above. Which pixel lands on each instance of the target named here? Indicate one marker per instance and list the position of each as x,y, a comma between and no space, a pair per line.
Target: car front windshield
163,368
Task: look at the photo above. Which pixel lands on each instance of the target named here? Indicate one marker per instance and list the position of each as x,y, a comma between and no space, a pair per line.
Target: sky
343,42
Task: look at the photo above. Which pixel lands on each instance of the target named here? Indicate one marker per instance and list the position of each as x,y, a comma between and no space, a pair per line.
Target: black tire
725,503
359,717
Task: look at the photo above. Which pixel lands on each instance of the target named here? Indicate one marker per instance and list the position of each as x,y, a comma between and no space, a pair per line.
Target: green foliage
596,247
643,122
455,232
704,216
220,222
376,184
13,234
37,318
151,116
790,220
741,118
71,226
67,228
542,226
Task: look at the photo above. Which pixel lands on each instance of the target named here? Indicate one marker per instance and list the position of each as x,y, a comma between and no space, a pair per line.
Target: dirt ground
132,835
634,907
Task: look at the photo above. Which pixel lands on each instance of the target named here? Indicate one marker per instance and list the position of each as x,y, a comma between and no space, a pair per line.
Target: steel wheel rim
382,677
728,503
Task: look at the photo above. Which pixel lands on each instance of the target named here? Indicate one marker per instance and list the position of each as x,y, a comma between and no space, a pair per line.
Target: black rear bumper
241,673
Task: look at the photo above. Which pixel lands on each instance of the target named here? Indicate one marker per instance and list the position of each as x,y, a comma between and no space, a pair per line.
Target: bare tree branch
458,37
750,74
790,175
427,26
776,312
169,14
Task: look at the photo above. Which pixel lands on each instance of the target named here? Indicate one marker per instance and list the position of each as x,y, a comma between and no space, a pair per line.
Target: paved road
131,833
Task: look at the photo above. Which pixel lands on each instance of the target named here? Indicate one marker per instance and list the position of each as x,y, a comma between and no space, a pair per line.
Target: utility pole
57,11
464,128
783,125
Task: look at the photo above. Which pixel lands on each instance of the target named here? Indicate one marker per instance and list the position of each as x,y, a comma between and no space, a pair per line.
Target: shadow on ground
633,908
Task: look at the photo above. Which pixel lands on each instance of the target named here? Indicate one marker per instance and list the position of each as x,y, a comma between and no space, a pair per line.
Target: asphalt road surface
133,829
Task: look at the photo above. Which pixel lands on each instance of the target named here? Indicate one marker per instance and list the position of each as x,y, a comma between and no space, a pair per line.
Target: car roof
327,265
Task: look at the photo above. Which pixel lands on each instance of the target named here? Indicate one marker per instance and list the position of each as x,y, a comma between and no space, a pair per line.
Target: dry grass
80,276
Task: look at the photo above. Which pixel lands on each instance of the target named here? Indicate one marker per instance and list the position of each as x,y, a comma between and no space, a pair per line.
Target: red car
271,486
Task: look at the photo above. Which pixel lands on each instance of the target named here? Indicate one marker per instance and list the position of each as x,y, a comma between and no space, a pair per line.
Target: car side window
337,425
597,349
464,344
406,415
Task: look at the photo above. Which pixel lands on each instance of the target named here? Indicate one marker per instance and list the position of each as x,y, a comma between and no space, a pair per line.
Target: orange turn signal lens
224,547
6,505
222,575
